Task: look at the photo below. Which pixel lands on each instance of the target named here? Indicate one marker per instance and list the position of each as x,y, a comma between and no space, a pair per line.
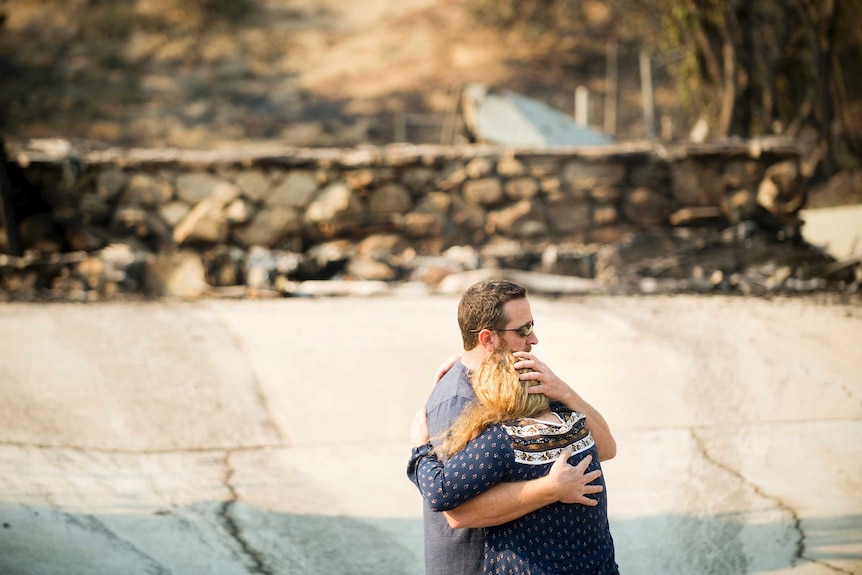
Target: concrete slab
271,436
838,230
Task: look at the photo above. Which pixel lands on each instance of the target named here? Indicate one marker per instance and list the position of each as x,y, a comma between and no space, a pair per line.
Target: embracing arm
445,486
605,442
508,501
556,389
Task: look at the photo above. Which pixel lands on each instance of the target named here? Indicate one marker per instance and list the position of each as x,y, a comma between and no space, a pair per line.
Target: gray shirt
450,551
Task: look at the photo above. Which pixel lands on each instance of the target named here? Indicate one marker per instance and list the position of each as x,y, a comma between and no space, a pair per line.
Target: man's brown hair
481,307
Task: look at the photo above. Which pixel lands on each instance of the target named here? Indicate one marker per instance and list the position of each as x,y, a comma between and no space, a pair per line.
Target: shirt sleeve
443,415
483,463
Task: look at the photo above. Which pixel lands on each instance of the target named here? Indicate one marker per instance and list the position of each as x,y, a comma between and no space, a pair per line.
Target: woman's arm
473,470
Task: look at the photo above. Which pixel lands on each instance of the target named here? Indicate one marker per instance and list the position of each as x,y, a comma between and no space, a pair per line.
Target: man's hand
556,389
419,428
570,483
546,380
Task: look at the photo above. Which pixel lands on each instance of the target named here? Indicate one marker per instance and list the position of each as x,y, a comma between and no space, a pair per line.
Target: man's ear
486,339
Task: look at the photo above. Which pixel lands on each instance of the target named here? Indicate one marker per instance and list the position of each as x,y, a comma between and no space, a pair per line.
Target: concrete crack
92,525
261,396
231,525
799,554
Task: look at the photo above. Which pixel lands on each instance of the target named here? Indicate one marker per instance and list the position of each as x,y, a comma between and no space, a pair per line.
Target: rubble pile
621,219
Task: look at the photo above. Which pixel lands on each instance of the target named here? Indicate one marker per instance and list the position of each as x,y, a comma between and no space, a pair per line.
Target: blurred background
223,73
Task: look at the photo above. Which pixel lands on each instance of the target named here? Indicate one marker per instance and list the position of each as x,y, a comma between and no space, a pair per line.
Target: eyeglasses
523,331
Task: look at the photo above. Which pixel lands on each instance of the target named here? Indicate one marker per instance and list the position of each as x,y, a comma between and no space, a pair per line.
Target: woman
511,435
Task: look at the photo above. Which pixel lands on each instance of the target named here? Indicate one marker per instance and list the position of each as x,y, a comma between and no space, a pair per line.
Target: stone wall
102,223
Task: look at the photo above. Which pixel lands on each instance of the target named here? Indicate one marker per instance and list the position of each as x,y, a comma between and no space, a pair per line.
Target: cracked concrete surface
270,436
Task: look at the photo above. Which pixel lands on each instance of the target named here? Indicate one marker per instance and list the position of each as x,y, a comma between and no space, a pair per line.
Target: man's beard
503,347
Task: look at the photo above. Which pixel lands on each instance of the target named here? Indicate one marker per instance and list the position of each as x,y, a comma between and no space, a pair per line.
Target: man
495,314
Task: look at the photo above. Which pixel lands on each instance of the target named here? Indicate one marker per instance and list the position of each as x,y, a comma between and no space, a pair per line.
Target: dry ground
271,436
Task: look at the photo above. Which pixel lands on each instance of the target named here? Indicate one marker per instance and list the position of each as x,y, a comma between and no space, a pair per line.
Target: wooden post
10,222
401,128
611,83
666,128
647,95
582,112
447,131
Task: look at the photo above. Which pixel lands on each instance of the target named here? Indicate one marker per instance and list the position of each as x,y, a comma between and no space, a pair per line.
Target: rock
92,270
239,211
362,267
131,219
606,194
381,246
179,274
739,205
510,166
478,168
254,184
430,270
174,212
264,267
94,209
782,191
452,176
428,218
535,282
696,185
205,223
360,179
316,288
296,191
467,257
195,187
484,192
523,188
689,216
647,208
390,199
418,179
605,215
569,215
224,266
326,260
268,227
583,175
110,183
146,190
523,220
335,202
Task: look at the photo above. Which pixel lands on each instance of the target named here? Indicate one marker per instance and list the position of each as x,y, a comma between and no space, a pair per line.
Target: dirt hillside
305,72
208,74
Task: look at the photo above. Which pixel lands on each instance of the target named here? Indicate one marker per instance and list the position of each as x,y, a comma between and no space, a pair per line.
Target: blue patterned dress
558,538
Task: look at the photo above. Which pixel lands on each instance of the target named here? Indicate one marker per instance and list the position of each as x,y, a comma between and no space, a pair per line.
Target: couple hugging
507,456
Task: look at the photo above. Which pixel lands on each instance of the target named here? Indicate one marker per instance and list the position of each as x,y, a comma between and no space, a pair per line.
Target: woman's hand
419,429
445,366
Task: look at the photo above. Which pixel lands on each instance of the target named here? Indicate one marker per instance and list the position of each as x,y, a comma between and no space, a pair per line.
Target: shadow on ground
217,537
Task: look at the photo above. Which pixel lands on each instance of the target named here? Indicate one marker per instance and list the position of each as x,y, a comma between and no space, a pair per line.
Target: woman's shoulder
493,439
494,430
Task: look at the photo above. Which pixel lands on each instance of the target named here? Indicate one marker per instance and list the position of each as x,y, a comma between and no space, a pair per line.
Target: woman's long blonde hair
500,395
